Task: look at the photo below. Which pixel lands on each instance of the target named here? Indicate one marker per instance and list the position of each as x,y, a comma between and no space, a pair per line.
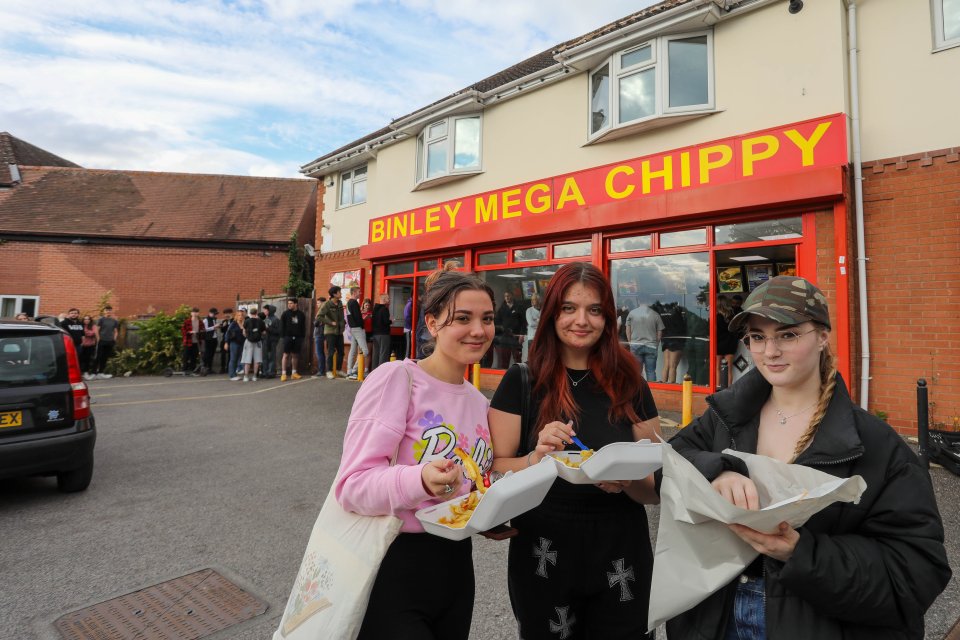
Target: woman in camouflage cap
866,570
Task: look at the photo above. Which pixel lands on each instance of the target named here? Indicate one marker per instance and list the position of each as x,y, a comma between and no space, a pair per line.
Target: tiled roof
162,206
533,64
13,150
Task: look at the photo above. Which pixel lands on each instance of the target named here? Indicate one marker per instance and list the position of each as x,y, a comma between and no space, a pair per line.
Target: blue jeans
748,621
236,348
648,358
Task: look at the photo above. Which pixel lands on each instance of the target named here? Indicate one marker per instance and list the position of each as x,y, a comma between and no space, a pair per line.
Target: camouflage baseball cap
784,299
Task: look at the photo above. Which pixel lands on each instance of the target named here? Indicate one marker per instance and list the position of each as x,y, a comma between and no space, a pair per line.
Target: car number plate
11,419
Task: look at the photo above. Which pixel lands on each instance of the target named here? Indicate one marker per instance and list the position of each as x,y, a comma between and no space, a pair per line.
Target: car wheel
76,479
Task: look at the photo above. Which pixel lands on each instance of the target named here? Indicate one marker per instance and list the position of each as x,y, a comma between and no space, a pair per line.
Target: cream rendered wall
772,68
909,96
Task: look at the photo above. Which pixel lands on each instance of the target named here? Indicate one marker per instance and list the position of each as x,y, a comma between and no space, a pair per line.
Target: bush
160,345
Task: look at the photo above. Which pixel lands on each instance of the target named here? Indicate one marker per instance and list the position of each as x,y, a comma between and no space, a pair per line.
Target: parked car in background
46,425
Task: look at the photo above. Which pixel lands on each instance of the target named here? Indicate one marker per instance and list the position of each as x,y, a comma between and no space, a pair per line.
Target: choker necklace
576,382
783,418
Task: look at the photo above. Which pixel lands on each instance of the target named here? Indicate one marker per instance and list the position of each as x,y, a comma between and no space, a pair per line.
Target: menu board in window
757,274
729,280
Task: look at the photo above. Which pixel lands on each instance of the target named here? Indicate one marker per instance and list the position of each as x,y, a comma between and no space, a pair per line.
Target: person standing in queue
293,328
417,411
582,561
864,570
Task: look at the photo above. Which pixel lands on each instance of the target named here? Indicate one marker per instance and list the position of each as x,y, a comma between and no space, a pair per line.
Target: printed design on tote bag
313,585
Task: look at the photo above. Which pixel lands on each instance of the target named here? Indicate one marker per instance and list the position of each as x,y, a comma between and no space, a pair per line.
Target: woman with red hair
581,564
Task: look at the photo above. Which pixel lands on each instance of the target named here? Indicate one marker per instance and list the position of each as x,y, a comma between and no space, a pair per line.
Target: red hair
613,367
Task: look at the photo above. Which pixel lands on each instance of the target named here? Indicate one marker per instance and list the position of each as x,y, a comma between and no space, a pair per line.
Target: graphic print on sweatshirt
439,439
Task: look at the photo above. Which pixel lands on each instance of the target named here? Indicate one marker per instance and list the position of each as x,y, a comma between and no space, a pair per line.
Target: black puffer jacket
867,570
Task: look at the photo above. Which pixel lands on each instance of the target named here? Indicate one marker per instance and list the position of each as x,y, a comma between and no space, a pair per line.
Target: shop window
946,23
633,243
492,258
671,292
449,147
530,254
399,268
514,291
353,186
573,250
686,238
427,265
759,231
11,305
661,77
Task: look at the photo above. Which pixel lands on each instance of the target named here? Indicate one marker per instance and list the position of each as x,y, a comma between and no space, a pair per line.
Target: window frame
660,63
18,302
940,41
351,181
449,139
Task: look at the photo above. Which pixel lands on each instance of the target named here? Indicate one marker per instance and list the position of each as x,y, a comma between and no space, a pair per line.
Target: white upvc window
449,147
670,75
11,305
353,186
946,23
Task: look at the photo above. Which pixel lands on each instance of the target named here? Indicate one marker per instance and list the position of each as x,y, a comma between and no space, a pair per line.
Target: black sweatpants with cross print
581,570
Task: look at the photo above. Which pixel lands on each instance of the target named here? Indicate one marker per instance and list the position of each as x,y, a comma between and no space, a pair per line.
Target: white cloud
252,87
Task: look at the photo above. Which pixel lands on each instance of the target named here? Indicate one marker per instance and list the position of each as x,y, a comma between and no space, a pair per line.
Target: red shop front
684,232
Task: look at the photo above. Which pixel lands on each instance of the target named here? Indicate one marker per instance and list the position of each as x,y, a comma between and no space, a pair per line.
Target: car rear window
30,360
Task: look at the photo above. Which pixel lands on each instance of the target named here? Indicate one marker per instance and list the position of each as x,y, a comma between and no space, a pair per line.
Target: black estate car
46,426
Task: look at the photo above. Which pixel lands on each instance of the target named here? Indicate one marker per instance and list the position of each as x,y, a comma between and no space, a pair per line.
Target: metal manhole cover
185,608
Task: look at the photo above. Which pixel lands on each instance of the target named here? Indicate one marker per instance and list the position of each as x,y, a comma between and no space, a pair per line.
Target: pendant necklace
783,418
576,382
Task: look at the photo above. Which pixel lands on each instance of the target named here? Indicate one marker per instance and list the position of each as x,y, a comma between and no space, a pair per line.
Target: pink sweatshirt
426,420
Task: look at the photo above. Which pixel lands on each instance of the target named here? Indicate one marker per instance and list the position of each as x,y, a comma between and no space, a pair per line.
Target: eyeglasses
783,341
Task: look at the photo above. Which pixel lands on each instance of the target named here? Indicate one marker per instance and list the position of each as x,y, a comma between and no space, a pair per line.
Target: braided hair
828,382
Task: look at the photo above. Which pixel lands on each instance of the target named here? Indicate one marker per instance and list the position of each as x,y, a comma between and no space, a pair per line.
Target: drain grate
185,608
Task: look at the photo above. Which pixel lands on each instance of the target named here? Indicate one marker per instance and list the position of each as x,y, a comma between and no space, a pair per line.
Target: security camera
309,249
795,6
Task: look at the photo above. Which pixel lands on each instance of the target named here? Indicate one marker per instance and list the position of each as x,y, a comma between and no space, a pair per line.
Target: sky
253,87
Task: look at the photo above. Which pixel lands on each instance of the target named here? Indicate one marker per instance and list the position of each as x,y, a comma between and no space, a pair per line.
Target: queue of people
95,340
581,563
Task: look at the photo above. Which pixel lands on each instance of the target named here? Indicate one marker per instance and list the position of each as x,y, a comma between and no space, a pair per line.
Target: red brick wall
346,260
142,279
912,222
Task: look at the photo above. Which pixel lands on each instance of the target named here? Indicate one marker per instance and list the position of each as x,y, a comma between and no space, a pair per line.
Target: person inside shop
582,559
726,343
674,330
865,570
425,584
533,320
511,328
644,332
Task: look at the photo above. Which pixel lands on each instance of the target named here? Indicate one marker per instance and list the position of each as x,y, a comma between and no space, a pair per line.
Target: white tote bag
330,595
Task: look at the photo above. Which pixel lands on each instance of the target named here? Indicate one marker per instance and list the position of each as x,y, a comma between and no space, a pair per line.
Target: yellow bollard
334,365
360,367
476,374
393,356
687,400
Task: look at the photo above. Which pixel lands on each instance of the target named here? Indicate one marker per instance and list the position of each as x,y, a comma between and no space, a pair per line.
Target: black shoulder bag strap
524,408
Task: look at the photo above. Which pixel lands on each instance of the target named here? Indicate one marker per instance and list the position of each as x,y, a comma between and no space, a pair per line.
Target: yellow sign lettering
542,203
685,169
666,174
807,146
413,225
376,231
397,226
511,200
486,211
452,213
570,191
770,146
608,183
433,217
707,164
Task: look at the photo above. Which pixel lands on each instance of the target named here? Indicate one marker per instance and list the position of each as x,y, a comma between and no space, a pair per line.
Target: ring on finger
447,489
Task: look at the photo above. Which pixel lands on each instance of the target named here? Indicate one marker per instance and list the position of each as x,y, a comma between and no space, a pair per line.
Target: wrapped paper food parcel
697,554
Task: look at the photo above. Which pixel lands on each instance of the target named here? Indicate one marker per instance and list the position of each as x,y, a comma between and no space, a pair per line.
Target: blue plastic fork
577,442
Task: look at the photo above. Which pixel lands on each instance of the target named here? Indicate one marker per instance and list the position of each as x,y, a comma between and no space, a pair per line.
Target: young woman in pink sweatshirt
418,411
